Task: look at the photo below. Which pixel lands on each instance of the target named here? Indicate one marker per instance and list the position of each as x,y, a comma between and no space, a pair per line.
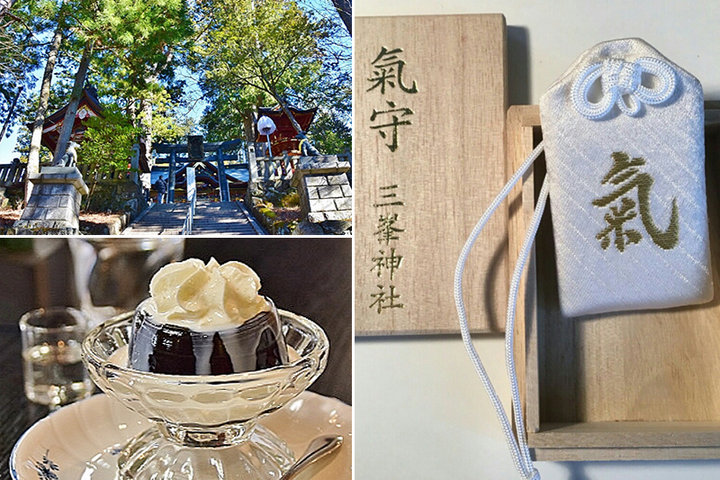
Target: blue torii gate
176,160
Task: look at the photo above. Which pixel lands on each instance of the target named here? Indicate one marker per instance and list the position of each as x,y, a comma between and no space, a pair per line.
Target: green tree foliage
137,69
168,124
333,90
224,115
108,141
330,134
125,47
268,52
148,58
107,145
22,44
264,48
150,31
132,65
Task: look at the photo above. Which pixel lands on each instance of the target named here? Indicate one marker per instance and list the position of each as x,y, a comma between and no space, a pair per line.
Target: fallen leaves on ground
286,214
8,216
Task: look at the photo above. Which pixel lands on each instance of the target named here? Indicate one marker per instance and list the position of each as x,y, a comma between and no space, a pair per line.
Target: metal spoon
317,449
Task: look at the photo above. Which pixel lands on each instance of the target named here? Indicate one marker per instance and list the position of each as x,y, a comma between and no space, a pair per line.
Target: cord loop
621,84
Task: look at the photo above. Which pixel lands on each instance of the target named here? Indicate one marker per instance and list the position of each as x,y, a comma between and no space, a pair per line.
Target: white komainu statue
70,158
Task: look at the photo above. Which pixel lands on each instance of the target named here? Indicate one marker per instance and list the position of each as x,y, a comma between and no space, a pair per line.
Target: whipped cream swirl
204,297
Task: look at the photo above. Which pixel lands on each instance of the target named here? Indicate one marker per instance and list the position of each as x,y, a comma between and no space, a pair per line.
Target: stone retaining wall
324,188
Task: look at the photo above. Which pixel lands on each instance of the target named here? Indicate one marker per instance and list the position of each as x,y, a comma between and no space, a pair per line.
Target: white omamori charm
627,182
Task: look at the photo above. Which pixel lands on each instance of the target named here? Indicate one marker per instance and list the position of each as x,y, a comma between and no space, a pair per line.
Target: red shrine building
88,107
283,140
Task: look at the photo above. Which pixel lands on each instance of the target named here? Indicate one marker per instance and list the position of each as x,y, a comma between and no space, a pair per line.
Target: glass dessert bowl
205,425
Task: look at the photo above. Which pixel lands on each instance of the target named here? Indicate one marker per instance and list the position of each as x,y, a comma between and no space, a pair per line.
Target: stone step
210,218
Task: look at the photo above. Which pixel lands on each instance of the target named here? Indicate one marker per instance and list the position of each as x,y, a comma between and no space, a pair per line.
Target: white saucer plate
81,441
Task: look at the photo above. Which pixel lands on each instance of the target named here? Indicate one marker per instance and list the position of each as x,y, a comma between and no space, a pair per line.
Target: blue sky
7,145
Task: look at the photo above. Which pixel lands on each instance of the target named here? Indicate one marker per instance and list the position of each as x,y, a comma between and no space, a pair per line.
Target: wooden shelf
626,386
627,434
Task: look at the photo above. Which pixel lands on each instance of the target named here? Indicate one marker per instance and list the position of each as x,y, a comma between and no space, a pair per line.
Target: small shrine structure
54,205
285,140
88,107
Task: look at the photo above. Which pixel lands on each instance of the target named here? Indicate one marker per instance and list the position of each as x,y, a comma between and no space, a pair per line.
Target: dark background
308,276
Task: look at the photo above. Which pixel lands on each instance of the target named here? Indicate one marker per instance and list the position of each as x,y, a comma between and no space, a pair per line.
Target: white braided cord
622,86
518,448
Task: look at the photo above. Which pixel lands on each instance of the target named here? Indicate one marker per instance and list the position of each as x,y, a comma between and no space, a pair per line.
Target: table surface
17,414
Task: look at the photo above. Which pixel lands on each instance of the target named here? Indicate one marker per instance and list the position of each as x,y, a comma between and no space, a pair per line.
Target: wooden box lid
430,101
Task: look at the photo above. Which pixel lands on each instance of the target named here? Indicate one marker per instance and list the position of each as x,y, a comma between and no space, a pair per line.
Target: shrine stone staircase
210,218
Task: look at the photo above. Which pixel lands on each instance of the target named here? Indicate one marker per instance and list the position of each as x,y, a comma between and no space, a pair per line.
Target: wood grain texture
614,454
629,434
635,385
522,123
448,166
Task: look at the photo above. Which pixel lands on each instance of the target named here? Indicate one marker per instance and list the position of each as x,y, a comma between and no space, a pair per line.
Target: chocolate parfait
206,320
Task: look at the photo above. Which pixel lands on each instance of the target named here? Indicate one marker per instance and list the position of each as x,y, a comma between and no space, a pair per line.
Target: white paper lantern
266,126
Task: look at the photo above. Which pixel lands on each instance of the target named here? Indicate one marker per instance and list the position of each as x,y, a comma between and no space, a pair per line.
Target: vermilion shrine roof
89,107
284,137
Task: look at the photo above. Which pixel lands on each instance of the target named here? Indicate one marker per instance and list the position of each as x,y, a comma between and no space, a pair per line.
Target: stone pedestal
54,203
324,189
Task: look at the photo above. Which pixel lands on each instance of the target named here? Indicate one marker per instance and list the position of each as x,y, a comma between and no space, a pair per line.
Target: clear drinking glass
52,356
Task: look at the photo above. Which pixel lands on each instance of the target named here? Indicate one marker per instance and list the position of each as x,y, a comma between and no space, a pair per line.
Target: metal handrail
192,200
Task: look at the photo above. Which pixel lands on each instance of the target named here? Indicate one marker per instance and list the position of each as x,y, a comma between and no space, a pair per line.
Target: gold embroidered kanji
626,175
